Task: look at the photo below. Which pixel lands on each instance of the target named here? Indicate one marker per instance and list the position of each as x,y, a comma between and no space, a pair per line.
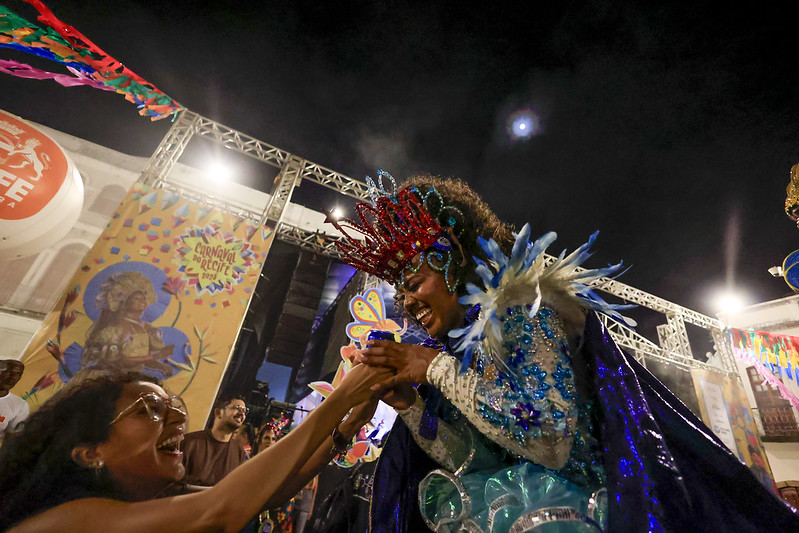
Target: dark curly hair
36,467
478,221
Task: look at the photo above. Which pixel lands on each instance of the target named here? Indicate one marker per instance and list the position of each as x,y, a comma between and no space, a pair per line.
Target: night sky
671,129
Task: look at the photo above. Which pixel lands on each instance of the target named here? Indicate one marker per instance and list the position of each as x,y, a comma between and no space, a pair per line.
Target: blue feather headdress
525,279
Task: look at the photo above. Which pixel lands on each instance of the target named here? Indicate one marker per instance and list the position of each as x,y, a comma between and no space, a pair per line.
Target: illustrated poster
163,291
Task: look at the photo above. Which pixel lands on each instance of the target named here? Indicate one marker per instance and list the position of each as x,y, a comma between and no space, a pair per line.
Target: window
775,412
13,274
61,269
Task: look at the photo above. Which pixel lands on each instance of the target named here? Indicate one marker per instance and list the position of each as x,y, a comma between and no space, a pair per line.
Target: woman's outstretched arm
360,415
232,502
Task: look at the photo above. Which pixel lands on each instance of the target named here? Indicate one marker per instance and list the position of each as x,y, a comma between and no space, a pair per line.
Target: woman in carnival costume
532,416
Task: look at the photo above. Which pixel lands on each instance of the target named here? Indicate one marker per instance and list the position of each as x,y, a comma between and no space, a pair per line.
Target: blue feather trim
523,271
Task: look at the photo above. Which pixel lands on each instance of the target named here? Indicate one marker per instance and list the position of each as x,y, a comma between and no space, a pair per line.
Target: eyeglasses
156,406
240,408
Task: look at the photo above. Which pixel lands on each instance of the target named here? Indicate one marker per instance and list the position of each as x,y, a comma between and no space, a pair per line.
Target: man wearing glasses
210,454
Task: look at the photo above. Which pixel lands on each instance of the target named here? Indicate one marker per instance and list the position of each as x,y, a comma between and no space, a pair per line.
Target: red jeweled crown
390,231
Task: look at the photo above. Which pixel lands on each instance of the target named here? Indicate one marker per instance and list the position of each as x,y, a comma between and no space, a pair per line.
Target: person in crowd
267,436
529,411
210,454
243,434
279,519
303,504
104,456
13,409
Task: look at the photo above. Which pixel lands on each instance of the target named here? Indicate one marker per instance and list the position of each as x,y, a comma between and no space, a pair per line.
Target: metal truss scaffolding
674,348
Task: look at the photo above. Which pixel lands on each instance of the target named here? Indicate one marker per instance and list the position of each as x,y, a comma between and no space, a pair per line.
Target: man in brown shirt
210,454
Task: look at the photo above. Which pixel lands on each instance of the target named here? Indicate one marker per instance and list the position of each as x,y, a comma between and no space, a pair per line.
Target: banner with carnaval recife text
163,291
726,411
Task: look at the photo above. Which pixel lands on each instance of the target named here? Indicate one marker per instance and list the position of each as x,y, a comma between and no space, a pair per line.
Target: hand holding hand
400,397
360,415
409,360
360,382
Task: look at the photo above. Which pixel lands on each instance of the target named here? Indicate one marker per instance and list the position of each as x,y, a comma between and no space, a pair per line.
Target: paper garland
773,356
87,63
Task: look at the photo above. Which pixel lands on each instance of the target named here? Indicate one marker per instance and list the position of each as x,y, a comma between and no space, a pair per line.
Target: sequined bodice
533,394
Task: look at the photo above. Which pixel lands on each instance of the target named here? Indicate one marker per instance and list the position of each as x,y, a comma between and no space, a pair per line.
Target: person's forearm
320,458
550,448
274,472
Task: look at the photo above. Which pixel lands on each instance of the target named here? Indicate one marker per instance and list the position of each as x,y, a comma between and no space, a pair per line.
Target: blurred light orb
337,213
730,302
219,171
522,124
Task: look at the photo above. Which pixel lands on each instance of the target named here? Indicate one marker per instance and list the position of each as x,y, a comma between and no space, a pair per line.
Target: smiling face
141,454
427,299
231,416
136,302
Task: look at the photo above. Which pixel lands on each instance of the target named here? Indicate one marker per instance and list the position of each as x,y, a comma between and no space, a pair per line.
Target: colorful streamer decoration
773,356
86,62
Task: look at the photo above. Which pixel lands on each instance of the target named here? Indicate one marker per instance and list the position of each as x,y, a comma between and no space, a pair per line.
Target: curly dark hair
478,221
224,401
36,463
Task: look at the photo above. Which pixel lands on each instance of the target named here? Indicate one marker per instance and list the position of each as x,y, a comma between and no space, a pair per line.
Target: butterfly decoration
369,312
323,387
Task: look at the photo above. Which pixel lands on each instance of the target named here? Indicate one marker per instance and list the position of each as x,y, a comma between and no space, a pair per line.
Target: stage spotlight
219,171
729,302
337,213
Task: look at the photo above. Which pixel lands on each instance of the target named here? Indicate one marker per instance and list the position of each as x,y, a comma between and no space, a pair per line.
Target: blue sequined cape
665,470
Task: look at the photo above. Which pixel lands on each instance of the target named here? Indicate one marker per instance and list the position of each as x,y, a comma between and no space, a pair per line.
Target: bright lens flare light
729,302
219,171
522,124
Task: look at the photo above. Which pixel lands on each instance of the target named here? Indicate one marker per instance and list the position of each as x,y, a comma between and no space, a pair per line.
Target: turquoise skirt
524,497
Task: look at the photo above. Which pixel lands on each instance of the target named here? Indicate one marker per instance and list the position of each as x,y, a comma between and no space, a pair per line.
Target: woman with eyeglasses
104,456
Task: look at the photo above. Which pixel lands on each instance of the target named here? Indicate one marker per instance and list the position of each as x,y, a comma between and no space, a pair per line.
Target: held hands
400,396
409,360
360,383
360,415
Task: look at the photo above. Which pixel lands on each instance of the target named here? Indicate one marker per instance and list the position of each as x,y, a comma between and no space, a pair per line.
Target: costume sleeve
453,447
526,402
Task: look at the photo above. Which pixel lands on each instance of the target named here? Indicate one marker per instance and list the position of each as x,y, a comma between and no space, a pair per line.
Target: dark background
670,127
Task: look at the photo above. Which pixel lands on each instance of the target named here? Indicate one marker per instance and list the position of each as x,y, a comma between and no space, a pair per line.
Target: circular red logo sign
32,168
